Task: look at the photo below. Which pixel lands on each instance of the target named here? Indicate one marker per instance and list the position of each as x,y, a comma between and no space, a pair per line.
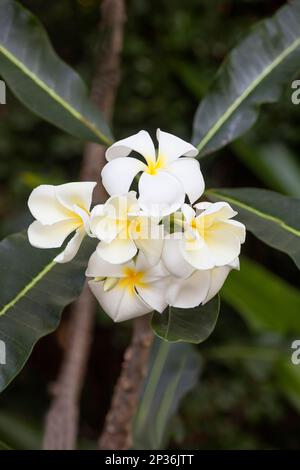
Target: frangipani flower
128,290
59,211
166,178
210,238
200,287
123,229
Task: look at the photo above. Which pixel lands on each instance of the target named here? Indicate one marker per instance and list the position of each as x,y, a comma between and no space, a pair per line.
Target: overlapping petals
152,249
210,238
128,290
166,176
198,288
124,229
59,211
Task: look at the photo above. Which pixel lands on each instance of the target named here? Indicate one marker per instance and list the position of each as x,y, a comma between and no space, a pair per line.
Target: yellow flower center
202,225
154,166
132,280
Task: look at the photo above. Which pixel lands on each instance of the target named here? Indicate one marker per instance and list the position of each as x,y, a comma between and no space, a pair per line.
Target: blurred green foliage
249,393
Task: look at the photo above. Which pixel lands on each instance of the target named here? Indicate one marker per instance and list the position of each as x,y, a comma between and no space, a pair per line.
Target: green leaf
192,325
278,356
20,433
4,446
41,80
254,73
271,217
173,371
264,300
34,290
274,164
288,379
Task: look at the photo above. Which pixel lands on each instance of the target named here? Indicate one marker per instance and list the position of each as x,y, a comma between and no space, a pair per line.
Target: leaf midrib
74,112
233,107
257,212
22,293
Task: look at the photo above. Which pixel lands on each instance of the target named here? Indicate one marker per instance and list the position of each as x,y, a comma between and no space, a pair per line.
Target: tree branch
61,424
117,433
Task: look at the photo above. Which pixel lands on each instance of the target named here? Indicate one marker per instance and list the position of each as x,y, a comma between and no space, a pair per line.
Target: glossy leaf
270,216
34,290
41,80
274,164
254,73
263,299
192,325
173,371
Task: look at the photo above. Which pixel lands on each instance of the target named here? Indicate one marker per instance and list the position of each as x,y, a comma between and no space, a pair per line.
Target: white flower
211,238
59,211
123,230
198,288
165,179
129,290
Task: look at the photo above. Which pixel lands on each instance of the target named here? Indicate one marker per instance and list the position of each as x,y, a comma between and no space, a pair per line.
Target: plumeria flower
124,229
166,178
59,211
128,290
199,287
210,238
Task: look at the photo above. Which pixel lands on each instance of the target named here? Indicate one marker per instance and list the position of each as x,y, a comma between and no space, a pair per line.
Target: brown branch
117,433
62,419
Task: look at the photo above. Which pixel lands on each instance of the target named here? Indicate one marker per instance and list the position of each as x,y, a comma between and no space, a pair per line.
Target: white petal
118,303
148,237
218,210
223,244
197,254
235,264
98,267
140,143
160,194
154,294
118,251
217,278
85,217
117,175
45,207
238,228
190,292
187,170
188,212
171,147
98,211
75,194
103,227
152,249
202,206
154,273
119,207
50,236
151,273
173,259
72,247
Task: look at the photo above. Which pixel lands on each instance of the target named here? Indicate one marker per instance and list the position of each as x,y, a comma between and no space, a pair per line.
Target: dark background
172,50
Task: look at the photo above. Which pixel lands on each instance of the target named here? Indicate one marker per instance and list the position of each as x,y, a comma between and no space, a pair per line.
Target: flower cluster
154,248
